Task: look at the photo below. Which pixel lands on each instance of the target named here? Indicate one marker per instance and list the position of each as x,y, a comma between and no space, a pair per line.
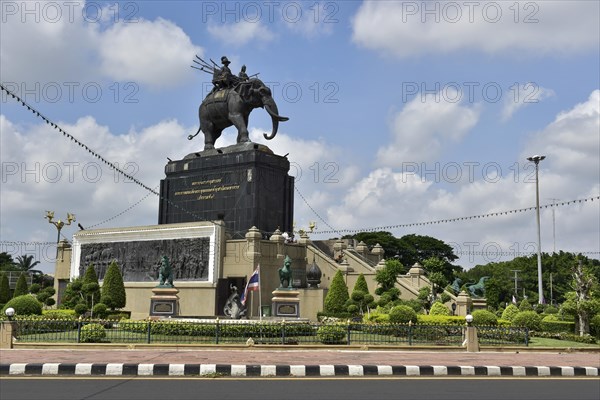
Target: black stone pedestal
245,185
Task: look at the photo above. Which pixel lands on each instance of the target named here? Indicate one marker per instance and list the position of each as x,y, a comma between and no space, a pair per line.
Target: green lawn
544,342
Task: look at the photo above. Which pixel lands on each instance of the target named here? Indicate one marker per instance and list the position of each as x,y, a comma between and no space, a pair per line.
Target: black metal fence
232,332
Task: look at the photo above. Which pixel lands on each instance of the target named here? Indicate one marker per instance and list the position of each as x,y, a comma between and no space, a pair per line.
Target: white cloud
424,126
406,29
386,197
571,144
155,53
43,170
241,33
522,96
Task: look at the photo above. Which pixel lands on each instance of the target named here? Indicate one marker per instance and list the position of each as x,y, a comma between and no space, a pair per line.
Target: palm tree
25,263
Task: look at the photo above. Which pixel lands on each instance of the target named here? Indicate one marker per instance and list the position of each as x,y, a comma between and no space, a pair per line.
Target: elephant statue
232,106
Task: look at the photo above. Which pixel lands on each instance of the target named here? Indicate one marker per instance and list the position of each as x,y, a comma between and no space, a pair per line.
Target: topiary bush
59,314
510,312
21,287
524,305
92,333
4,289
24,305
440,320
332,334
113,289
439,308
402,315
528,319
484,318
100,310
337,296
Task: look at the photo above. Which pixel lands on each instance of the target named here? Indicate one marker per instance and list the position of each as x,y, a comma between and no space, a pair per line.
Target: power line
457,219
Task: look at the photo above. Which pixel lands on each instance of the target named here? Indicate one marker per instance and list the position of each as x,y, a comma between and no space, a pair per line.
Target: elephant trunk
271,108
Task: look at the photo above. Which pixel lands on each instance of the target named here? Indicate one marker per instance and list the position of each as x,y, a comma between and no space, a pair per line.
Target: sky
401,113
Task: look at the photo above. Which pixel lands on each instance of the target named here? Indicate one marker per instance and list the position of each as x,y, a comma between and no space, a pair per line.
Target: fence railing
283,333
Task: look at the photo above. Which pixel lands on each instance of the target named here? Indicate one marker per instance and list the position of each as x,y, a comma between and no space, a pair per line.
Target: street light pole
536,160
59,225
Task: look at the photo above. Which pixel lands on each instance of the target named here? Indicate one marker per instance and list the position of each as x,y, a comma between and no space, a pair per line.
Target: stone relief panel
140,260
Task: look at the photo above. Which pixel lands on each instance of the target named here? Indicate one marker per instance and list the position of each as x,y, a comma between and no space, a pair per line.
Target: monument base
164,302
244,185
285,303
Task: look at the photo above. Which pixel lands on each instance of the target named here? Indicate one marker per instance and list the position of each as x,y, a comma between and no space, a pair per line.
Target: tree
25,263
337,296
113,289
21,288
386,240
584,306
360,298
416,248
90,286
6,262
4,289
386,278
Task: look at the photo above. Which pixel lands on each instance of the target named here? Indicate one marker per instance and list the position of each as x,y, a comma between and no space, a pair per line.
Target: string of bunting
122,212
91,151
332,230
445,221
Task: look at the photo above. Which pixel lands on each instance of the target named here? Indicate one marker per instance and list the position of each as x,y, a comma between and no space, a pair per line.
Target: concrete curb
252,370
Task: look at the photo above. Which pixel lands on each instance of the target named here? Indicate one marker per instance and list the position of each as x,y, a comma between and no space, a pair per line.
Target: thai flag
253,284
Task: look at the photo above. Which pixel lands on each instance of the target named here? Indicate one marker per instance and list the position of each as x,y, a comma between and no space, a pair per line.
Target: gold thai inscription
207,193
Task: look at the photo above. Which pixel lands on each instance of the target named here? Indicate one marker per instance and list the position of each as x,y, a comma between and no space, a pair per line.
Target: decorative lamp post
536,160
59,224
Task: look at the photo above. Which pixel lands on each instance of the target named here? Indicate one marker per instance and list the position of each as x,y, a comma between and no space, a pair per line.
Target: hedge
551,323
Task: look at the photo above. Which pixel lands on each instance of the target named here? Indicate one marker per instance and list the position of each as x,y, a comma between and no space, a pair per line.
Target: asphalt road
300,388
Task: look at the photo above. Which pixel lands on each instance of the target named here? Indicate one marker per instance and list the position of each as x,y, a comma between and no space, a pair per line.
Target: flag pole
259,296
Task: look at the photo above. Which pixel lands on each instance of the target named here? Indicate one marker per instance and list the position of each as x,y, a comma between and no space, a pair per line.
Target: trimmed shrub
551,323
332,334
81,309
21,288
377,316
24,305
90,286
510,312
528,319
551,310
34,288
92,333
524,305
402,315
337,296
361,284
4,289
59,314
439,308
100,310
440,320
484,318
113,289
